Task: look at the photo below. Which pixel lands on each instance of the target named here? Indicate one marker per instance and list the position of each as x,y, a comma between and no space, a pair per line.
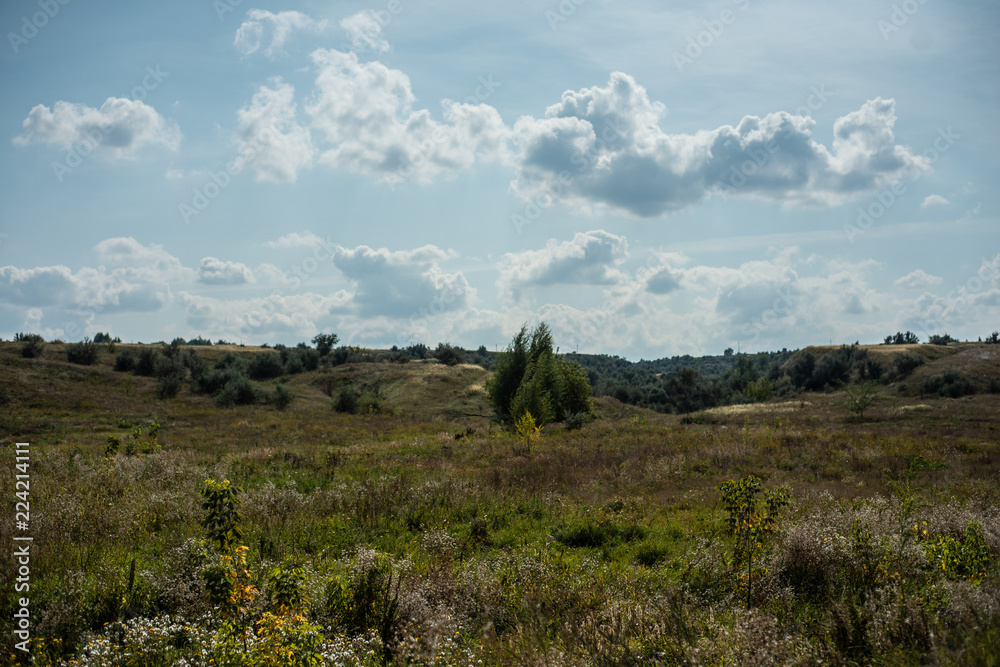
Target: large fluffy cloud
604,147
271,141
364,111
119,129
401,283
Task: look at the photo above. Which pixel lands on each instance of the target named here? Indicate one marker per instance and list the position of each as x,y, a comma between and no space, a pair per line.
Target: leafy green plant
135,442
222,519
870,558
759,390
285,588
527,432
750,523
860,397
966,557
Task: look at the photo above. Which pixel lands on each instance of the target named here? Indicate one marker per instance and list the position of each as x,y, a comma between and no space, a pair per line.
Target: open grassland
426,535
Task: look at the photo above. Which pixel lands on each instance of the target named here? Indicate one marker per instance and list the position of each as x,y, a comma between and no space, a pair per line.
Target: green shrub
266,366
577,420
368,598
651,554
169,386
294,365
31,345
145,363
238,390
282,397
529,378
347,401
85,353
905,364
449,355
967,557
759,391
949,385
596,532
370,403
125,361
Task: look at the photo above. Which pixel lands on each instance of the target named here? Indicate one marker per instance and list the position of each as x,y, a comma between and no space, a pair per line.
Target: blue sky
649,178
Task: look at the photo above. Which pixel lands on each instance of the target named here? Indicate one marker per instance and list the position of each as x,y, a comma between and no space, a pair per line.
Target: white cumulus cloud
590,258
250,36
365,114
271,141
604,147
365,31
218,272
917,279
402,283
118,130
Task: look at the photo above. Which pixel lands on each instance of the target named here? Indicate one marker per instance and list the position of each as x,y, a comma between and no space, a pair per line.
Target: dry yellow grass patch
748,408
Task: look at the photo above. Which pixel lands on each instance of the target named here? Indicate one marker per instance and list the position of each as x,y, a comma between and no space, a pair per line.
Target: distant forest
679,384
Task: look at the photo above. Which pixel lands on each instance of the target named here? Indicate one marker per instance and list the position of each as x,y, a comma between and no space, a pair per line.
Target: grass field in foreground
425,536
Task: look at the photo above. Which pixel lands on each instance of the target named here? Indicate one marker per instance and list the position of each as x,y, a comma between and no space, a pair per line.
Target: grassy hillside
426,535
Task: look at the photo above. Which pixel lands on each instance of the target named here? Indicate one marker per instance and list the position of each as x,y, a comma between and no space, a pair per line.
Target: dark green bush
195,364
905,364
146,362
449,355
169,386
85,353
238,390
949,385
282,397
232,362
266,366
587,532
31,345
347,401
294,365
125,361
